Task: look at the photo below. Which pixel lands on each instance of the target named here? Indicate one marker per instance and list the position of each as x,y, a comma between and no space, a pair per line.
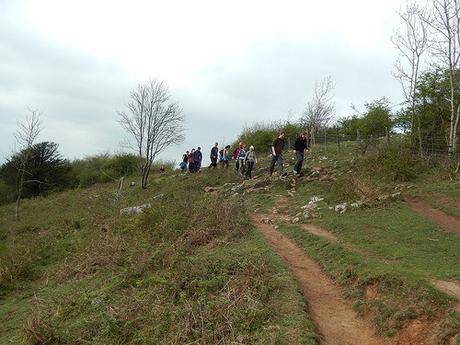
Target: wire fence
431,148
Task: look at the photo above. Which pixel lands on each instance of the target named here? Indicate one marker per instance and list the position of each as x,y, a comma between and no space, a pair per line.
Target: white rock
135,209
315,199
341,208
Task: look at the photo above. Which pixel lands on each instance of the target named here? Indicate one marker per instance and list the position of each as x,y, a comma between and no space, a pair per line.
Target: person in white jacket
250,159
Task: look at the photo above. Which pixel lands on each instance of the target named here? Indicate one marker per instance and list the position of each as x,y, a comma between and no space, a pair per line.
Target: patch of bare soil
319,231
334,317
450,288
446,222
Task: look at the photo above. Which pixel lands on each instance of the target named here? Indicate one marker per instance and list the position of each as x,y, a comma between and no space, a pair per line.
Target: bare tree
411,41
154,122
320,109
26,133
444,22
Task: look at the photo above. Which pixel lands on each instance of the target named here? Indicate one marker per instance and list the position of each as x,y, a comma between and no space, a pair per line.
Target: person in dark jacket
214,155
197,159
277,154
191,162
300,146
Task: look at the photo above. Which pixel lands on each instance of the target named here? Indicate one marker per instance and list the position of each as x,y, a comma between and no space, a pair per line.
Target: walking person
225,156
251,159
236,154
277,154
300,146
240,161
214,155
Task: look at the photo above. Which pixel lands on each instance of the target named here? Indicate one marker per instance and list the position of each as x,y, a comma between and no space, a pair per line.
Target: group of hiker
245,158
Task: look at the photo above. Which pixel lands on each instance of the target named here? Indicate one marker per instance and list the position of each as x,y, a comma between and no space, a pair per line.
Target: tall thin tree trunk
452,113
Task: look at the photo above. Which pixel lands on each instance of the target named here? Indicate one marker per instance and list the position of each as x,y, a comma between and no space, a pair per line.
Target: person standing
183,164
191,162
214,155
225,156
251,159
277,154
197,159
300,146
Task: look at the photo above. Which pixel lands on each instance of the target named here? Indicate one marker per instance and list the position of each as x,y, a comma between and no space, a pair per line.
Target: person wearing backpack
214,155
240,160
236,153
277,155
250,159
225,156
300,146
183,164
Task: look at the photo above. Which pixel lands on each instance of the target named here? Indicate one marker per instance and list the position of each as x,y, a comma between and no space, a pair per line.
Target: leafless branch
153,122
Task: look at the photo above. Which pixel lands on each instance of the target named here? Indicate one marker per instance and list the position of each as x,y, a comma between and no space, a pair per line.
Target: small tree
411,42
45,170
444,22
154,122
320,109
26,133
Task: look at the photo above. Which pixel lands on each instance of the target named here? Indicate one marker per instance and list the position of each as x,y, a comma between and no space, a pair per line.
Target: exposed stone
135,209
383,197
341,208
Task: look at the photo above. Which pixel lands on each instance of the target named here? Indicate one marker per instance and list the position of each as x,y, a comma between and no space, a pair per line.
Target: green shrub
395,163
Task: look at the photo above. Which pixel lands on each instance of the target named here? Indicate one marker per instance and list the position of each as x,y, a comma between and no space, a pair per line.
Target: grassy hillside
193,269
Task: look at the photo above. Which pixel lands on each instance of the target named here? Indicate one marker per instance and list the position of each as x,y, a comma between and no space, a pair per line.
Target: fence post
387,133
338,138
358,135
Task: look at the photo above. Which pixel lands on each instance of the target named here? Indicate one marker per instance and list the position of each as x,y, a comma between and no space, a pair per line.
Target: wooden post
387,136
358,135
338,138
119,191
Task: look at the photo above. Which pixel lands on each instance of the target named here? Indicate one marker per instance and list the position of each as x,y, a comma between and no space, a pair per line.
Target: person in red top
236,155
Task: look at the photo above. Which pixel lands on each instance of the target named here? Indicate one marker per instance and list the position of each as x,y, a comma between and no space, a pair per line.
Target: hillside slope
194,269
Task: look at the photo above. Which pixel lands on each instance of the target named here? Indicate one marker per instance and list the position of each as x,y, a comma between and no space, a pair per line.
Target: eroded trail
334,317
446,222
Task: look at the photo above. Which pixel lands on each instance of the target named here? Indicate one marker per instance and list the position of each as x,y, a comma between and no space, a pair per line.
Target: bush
395,163
262,135
103,168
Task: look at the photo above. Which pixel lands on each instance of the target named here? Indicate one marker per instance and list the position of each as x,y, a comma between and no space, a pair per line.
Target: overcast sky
228,63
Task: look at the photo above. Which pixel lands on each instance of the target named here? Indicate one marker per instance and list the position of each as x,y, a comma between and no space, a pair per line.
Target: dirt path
450,288
336,321
446,222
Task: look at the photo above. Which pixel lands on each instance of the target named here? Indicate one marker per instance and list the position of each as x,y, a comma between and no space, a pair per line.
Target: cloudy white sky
229,63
